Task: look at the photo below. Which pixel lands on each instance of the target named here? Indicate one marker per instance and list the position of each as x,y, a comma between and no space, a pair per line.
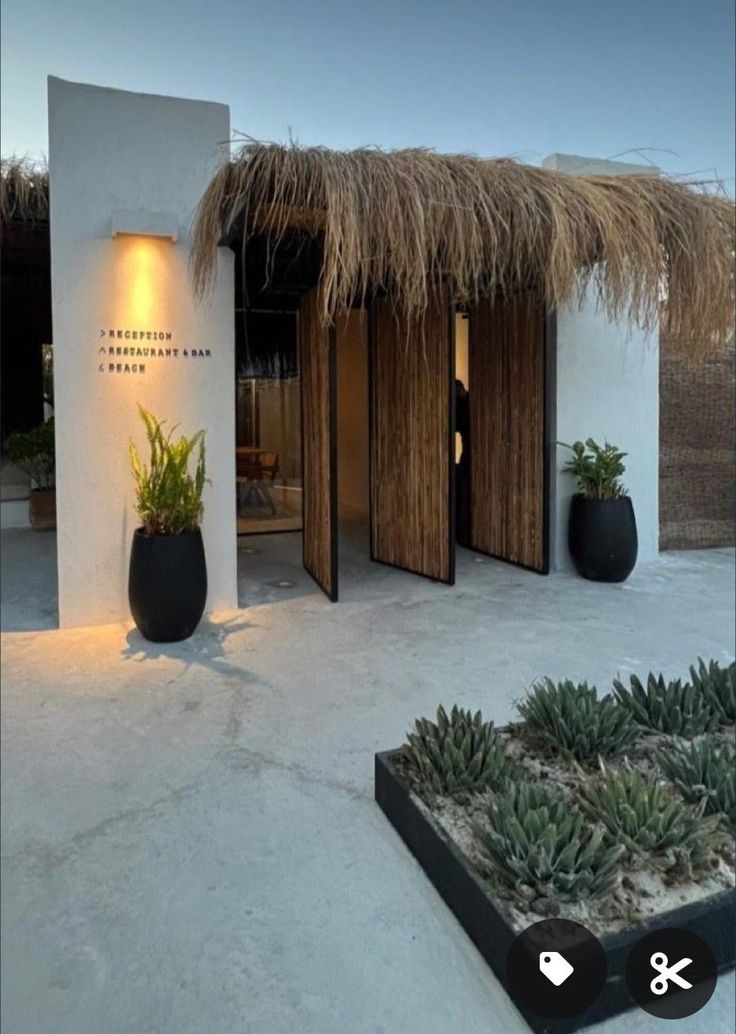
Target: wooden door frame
452,309
549,428
549,434
333,593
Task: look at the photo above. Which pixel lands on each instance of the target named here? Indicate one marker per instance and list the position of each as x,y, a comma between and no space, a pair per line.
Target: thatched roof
24,190
407,220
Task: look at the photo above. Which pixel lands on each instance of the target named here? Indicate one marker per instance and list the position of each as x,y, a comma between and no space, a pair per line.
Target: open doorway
268,422
353,493
462,431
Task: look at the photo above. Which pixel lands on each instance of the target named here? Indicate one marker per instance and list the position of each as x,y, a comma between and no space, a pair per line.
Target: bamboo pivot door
319,452
508,482
412,430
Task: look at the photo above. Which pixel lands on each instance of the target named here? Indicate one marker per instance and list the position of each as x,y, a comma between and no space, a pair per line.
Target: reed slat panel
412,447
507,431
319,473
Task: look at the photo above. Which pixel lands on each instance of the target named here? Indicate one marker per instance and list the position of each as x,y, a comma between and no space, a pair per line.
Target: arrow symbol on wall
102,333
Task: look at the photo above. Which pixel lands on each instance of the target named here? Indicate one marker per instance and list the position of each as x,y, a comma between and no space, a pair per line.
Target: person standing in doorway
462,468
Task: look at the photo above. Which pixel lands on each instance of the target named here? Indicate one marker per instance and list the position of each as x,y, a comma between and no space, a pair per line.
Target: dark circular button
556,968
671,973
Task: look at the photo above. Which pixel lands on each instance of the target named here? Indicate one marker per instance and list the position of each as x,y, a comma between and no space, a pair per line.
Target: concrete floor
189,836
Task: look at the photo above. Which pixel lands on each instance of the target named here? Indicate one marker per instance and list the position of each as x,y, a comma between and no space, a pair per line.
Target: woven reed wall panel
697,455
506,382
410,440
318,457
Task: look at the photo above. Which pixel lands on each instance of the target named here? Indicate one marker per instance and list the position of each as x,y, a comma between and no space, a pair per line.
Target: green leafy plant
717,686
34,453
671,707
702,771
643,816
168,496
457,755
537,845
598,469
572,721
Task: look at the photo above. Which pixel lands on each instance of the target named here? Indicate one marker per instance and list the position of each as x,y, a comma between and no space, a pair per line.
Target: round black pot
602,538
167,584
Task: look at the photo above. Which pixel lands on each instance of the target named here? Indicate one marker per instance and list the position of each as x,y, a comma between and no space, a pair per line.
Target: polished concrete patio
189,837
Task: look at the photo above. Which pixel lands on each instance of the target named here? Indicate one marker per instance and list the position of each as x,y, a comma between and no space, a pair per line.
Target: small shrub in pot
167,584
34,453
602,532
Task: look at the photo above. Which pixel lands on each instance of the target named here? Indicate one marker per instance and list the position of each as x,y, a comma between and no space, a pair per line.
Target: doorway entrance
352,427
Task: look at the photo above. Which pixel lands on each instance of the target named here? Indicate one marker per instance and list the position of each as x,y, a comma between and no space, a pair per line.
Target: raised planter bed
488,925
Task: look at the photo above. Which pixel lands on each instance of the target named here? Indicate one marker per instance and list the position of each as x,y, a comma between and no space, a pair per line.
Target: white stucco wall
607,389
112,150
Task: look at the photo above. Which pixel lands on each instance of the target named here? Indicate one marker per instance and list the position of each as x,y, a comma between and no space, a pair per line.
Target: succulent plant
570,720
534,843
717,686
458,755
670,707
643,816
702,770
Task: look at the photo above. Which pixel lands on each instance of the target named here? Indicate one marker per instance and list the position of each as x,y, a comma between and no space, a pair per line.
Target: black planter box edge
490,930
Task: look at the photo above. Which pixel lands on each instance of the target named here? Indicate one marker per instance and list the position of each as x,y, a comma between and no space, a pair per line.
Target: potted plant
33,452
167,584
602,529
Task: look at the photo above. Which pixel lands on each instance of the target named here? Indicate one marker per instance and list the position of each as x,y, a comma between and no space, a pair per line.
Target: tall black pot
602,538
167,584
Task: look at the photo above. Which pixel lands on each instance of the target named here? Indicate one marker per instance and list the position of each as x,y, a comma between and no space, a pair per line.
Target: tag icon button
555,967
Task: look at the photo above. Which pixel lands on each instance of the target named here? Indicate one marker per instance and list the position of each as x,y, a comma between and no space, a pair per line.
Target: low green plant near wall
34,452
168,495
598,469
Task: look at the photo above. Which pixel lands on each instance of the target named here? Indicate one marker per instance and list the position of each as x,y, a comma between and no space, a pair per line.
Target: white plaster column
607,389
151,158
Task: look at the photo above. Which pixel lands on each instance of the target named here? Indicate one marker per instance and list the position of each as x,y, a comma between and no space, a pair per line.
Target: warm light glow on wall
143,275
148,288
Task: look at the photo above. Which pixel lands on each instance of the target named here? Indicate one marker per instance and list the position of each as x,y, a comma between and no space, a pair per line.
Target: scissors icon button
671,973
660,962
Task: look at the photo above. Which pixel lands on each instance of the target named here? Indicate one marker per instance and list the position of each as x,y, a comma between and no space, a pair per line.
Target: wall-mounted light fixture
144,224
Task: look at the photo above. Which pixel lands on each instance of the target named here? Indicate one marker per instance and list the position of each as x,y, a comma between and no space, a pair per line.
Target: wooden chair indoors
256,470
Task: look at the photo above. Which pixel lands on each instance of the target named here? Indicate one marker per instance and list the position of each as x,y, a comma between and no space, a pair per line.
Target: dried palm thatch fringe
407,220
24,190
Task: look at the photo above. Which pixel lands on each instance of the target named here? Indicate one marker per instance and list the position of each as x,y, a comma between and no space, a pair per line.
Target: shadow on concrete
205,649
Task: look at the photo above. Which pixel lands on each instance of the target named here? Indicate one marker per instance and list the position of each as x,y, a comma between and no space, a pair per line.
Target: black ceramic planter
602,538
167,584
488,926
